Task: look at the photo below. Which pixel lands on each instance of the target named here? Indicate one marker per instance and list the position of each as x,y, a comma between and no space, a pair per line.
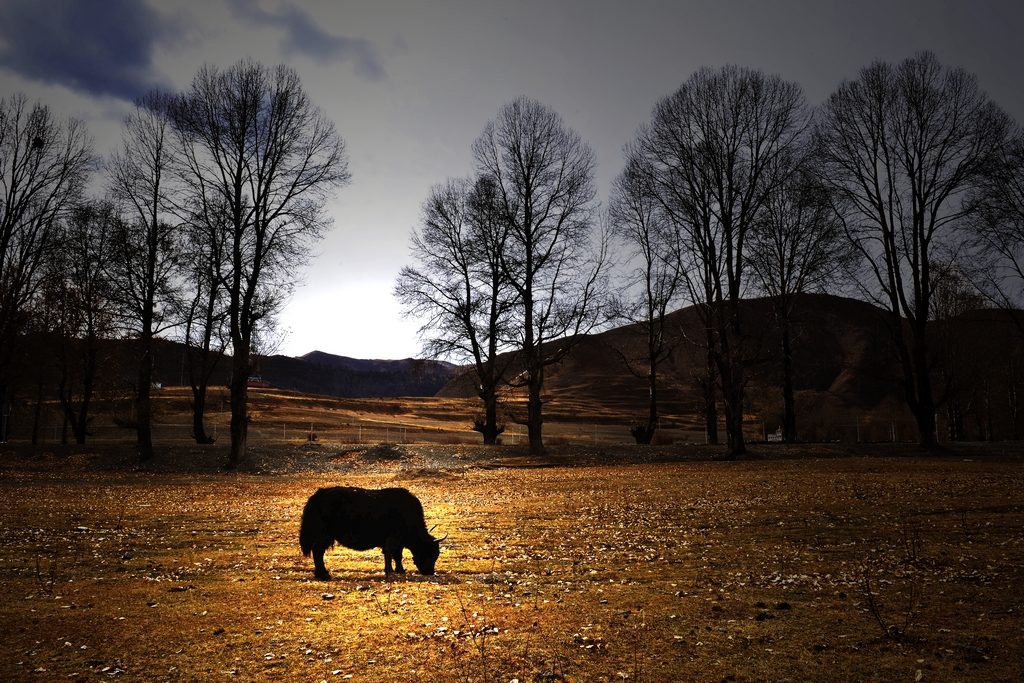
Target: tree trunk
79,429
729,362
5,414
732,396
924,406
76,418
917,383
1014,405
710,400
788,401
200,370
534,416
88,383
489,427
735,440
644,433
988,413
239,405
143,402
199,413
37,412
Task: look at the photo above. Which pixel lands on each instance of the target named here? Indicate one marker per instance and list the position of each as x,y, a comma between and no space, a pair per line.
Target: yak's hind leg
393,551
319,569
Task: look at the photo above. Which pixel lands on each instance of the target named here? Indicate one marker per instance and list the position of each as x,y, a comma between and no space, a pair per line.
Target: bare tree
999,232
203,315
999,273
904,146
954,296
252,143
798,247
82,304
543,178
698,282
44,164
711,152
459,288
144,245
639,223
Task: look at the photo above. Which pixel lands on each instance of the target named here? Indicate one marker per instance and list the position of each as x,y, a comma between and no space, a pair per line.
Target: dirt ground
585,566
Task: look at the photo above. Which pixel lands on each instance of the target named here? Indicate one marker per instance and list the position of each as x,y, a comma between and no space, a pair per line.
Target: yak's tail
309,527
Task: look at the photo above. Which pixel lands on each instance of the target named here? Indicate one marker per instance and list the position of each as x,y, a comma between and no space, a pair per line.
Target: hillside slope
846,373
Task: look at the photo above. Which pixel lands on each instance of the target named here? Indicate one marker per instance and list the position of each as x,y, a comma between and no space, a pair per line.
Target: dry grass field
283,416
874,567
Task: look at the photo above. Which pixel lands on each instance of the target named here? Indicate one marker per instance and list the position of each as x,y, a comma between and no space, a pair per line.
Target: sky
411,84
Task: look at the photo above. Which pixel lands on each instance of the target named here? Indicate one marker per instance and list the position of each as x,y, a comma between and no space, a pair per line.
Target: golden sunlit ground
848,568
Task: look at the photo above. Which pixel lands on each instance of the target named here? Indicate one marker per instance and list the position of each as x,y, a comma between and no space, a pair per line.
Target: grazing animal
361,519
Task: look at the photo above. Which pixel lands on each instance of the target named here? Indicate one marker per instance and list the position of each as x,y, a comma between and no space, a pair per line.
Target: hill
846,374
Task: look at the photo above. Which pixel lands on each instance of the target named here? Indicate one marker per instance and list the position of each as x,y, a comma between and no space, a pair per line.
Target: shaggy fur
361,519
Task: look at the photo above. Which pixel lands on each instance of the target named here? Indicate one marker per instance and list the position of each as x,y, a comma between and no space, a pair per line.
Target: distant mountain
318,372
314,373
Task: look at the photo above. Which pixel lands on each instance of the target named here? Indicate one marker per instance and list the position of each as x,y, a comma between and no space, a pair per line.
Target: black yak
389,519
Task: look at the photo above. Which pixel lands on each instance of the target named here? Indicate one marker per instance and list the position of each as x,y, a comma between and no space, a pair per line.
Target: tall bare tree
253,142
711,152
204,312
145,249
798,247
639,223
905,146
44,164
459,288
83,306
543,177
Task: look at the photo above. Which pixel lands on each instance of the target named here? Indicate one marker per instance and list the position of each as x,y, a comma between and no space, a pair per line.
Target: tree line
906,185
206,210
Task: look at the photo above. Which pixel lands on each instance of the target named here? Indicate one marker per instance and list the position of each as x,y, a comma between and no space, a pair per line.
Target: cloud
304,36
97,47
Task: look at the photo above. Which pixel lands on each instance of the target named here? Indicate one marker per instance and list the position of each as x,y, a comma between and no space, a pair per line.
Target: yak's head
426,556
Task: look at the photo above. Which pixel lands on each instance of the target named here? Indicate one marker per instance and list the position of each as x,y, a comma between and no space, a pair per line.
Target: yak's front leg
393,551
319,569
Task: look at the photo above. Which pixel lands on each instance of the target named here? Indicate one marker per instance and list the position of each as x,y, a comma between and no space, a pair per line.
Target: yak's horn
442,538
431,528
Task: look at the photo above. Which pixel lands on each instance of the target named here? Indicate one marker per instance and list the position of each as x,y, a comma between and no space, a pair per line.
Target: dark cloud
99,47
303,36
